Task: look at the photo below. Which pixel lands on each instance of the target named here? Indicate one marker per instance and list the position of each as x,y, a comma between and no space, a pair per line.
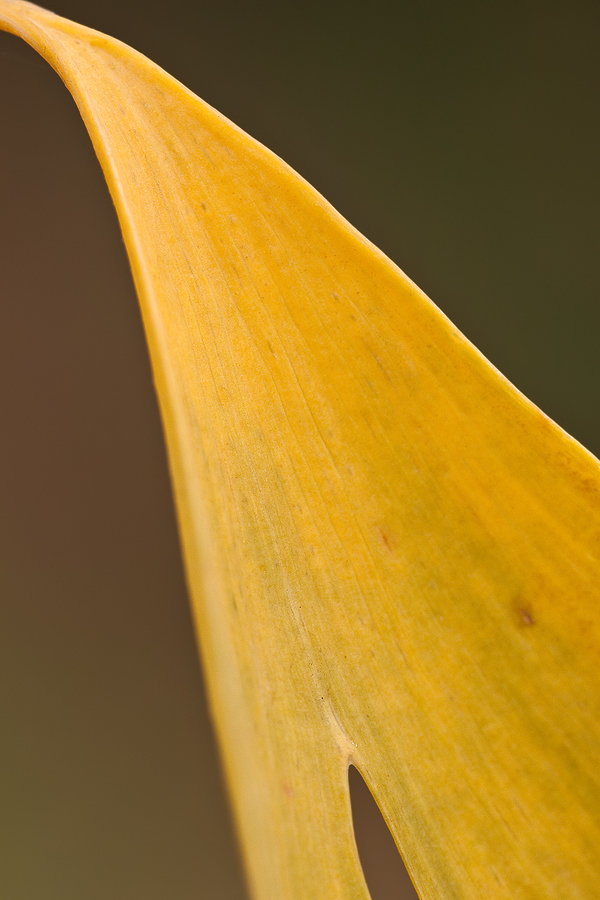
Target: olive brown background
463,139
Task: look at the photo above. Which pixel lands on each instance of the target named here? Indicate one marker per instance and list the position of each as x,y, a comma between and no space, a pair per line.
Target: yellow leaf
392,555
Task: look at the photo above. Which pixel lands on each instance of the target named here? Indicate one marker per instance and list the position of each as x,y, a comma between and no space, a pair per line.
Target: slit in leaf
383,868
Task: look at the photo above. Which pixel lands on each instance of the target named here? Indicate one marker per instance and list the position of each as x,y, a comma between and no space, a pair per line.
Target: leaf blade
388,547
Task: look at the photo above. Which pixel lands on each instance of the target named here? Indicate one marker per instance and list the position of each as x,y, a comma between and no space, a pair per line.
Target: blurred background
463,139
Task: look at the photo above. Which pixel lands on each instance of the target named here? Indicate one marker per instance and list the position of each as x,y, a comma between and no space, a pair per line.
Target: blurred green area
463,139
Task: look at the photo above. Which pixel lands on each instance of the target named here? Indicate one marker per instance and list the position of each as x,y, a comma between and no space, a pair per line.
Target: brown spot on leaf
526,616
387,539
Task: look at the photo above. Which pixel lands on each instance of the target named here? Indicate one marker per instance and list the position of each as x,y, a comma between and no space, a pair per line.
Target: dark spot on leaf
526,616
386,538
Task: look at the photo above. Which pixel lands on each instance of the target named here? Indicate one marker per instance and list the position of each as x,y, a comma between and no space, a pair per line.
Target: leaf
392,555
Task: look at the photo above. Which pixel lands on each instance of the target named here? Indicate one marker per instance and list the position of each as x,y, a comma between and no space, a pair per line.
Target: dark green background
463,139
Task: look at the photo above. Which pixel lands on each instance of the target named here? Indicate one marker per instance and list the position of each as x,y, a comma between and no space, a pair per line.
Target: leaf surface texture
393,556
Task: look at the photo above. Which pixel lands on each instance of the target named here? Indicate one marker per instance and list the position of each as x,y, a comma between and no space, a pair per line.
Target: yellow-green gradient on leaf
392,555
